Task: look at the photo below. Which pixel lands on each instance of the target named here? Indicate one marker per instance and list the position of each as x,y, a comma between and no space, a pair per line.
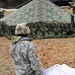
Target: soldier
24,53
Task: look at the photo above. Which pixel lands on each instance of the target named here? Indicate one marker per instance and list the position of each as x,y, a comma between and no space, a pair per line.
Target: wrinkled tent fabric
35,11
41,13
60,70
40,30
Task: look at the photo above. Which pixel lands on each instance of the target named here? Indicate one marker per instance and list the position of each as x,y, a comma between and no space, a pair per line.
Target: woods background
12,3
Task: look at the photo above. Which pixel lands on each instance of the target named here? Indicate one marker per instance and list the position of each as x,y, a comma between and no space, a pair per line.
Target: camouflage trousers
26,74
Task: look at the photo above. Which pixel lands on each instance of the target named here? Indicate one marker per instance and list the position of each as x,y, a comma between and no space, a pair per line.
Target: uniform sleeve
35,61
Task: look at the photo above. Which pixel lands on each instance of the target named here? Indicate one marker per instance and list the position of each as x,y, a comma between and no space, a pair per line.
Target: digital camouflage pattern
22,28
25,60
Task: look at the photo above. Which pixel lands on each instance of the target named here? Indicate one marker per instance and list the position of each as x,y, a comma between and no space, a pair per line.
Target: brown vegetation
51,51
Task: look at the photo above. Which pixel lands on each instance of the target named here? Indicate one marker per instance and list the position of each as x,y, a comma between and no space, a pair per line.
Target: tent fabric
45,19
51,30
60,70
41,30
35,11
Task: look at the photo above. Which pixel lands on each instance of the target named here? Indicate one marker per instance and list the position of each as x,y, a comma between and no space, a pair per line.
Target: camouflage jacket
25,60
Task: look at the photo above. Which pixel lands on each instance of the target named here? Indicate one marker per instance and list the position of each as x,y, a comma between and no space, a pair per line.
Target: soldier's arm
35,61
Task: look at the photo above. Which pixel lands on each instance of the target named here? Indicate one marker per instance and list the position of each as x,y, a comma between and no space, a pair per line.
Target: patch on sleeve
35,51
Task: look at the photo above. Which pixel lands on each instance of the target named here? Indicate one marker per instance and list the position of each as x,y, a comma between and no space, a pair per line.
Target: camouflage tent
37,13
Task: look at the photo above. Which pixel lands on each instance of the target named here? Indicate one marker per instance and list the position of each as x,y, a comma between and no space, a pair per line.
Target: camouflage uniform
26,61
